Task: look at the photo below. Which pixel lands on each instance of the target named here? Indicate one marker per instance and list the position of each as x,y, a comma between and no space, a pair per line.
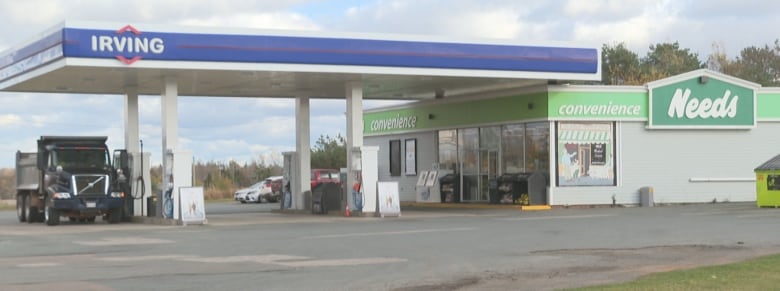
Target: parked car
320,176
268,190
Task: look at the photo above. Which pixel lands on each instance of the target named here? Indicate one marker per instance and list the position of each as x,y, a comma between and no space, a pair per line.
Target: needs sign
702,99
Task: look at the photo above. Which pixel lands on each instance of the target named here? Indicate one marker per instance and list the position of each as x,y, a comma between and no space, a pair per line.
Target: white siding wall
667,159
426,156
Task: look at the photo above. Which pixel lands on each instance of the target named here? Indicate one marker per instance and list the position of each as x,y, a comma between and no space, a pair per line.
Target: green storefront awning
583,136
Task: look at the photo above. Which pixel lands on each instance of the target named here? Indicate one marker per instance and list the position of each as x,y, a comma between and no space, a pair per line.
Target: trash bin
325,197
537,189
768,183
151,208
646,196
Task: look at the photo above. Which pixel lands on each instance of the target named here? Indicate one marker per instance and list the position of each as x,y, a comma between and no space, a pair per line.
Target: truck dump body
27,174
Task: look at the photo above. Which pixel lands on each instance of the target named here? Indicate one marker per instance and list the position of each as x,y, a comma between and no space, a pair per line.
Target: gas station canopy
94,58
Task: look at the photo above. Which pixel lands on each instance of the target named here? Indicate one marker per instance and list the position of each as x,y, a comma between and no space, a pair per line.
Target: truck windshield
81,158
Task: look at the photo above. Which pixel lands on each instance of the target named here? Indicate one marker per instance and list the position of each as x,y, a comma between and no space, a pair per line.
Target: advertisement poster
389,202
411,157
192,207
586,154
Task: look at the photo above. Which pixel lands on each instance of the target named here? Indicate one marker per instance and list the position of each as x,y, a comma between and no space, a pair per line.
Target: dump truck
70,176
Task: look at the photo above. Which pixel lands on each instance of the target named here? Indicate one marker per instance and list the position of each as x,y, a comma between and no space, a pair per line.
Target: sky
260,129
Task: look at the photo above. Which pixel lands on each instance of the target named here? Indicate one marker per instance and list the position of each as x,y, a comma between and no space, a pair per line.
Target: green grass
757,274
6,207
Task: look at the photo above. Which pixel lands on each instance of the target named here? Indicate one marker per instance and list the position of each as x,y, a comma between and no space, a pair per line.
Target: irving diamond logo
128,44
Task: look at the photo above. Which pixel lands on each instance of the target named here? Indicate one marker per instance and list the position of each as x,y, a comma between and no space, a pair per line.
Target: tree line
621,66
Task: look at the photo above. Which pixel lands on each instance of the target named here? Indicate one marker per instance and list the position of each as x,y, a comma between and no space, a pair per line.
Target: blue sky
243,129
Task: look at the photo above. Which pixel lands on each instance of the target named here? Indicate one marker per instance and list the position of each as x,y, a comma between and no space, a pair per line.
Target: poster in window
585,154
598,154
411,157
773,182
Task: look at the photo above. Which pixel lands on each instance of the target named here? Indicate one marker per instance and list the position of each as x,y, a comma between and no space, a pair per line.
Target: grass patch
755,274
6,207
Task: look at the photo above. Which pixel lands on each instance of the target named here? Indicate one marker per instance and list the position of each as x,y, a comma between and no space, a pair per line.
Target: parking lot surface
424,249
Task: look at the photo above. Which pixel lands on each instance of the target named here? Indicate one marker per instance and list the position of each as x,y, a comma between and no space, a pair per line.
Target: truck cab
76,180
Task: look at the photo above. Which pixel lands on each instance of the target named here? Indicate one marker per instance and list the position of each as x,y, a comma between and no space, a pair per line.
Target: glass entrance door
479,162
478,170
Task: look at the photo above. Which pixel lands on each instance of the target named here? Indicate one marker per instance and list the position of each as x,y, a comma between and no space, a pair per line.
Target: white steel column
354,94
170,131
303,148
131,119
132,145
170,114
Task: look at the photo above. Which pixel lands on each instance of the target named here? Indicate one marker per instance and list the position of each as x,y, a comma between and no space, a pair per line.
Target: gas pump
135,169
177,173
357,188
167,195
122,168
290,165
366,172
290,174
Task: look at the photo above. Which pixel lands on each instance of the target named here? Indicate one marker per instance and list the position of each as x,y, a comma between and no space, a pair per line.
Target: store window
513,148
537,147
448,149
586,154
395,157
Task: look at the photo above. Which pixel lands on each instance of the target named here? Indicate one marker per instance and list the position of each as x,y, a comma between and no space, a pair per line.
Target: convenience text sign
702,99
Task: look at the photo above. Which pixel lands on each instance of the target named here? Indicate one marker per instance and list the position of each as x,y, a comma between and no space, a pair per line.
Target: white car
263,191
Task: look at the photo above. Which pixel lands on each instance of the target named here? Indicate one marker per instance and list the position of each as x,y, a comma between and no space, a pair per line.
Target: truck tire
32,211
50,214
21,207
115,215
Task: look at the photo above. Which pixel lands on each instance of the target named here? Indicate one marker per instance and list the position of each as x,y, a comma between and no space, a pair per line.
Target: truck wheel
115,216
50,214
21,208
32,211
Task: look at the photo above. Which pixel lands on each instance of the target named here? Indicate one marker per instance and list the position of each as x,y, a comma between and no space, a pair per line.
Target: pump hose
140,178
142,188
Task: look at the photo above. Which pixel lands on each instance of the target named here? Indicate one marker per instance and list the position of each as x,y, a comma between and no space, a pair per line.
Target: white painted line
118,241
712,212
143,258
758,215
39,265
340,262
559,217
389,232
279,260
266,259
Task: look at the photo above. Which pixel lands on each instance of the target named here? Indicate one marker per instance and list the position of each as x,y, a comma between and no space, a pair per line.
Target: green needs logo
703,101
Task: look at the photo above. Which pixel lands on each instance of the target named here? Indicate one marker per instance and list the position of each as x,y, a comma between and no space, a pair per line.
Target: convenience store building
690,138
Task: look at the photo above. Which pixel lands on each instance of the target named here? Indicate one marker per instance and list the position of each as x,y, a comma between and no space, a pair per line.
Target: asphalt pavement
248,247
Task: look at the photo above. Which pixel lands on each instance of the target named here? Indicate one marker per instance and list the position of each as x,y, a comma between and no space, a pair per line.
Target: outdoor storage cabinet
768,183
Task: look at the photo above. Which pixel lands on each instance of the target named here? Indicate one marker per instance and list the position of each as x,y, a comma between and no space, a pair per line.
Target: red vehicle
320,176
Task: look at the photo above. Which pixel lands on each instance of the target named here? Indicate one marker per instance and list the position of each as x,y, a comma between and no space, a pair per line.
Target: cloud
273,20
10,120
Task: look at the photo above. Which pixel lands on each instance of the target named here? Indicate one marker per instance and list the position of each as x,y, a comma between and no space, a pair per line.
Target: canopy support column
303,147
354,94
